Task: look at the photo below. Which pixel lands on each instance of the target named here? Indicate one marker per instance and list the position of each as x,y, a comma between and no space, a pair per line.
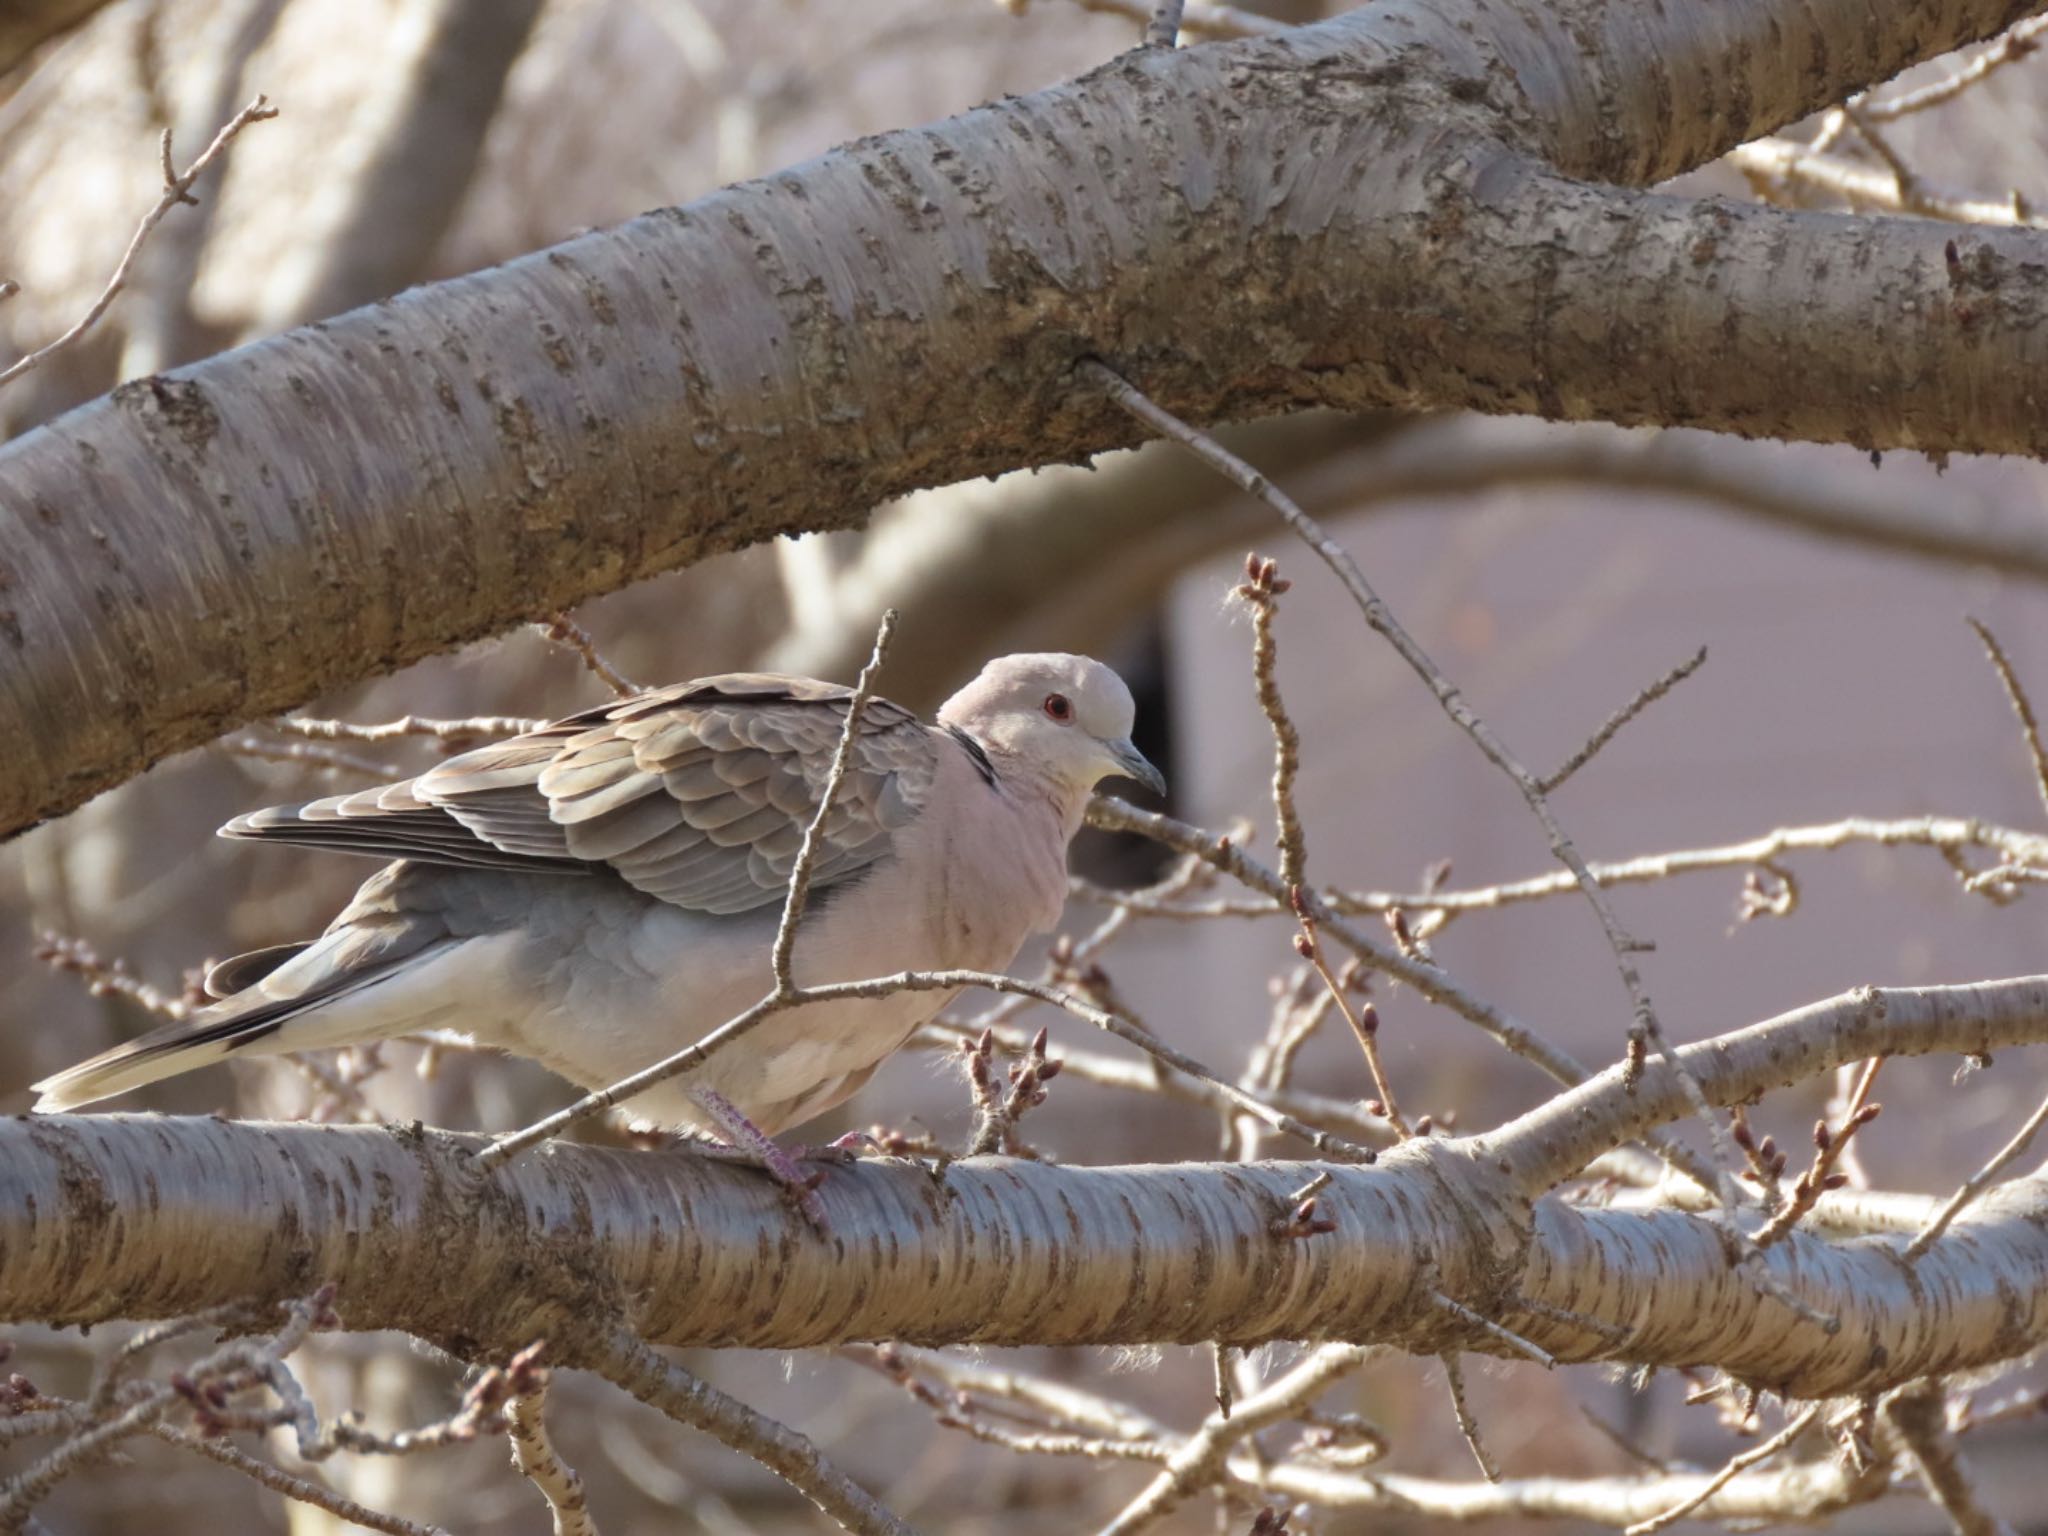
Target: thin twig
1943,833
628,1361
1978,1182
1736,1465
306,754
536,1458
103,978
814,834
304,1490
956,1410
1645,1031
997,1110
1210,20
1920,1416
1163,30
1621,717
1468,1426
2030,727
1432,983
2017,42
1487,1325
1828,1147
478,728
1364,1022
1203,1457
177,189
1334,1147
563,630
1260,592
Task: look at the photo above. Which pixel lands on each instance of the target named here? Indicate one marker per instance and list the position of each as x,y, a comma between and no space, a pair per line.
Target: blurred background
422,138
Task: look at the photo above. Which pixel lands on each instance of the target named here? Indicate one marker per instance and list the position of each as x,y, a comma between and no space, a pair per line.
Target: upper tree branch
1370,192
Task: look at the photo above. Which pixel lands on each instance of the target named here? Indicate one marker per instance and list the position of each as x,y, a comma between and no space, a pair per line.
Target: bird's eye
1060,707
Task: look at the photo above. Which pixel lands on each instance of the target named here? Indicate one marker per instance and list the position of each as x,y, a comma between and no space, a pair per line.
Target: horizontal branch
1371,196
999,1251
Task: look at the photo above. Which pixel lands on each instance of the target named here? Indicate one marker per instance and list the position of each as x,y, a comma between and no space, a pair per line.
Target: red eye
1060,707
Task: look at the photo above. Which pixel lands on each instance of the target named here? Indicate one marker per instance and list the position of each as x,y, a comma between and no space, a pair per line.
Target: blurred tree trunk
25,25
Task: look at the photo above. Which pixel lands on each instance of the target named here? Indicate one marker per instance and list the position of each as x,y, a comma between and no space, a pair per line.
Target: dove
600,893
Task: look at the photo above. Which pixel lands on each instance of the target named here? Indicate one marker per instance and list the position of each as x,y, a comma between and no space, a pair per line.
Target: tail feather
278,986
164,1052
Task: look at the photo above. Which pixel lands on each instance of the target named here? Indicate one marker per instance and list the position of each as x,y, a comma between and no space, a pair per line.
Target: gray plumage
600,892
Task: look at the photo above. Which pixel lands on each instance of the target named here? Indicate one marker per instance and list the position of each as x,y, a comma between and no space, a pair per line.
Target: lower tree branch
1000,1251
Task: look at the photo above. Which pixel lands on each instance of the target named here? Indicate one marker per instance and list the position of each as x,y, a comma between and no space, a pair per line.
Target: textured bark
99,1215
1380,210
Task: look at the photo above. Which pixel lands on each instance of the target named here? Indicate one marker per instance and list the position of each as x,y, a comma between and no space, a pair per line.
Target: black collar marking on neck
975,753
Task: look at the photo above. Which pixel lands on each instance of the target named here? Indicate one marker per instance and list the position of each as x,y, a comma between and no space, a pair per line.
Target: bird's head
1067,718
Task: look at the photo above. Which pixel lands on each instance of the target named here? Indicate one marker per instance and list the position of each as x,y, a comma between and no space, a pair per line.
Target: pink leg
757,1146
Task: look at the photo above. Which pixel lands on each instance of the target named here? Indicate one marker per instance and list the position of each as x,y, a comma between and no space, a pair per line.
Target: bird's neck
1030,785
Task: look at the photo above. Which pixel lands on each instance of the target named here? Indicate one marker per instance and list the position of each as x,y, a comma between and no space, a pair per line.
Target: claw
758,1148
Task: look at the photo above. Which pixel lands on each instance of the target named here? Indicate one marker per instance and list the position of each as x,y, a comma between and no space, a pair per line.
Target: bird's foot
756,1147
841,1150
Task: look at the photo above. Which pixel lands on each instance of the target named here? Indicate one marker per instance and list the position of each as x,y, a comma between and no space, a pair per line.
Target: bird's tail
205,1037
280,985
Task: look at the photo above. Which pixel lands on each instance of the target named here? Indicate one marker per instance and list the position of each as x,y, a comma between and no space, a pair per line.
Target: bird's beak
1133,764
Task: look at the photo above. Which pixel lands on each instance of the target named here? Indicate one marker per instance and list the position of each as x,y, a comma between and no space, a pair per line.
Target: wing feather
696,794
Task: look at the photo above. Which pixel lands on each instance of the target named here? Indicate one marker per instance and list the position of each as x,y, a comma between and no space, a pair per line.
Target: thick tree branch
999,1251
1370,191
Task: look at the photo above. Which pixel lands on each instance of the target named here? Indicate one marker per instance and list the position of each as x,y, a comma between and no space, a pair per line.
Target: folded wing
697,794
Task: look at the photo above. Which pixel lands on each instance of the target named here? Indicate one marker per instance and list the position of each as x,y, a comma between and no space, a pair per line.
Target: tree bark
1388,209
570,1241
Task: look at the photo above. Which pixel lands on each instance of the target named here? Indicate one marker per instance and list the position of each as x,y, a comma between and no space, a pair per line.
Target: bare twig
565,631
105,978
1828,1147
1621,717
302,1489
955,1409
629,1362
478,728
177,189
2030,727
1428,980
597,1103
1200,16
1260,592
1644,1032
2017,42
1163,30
1773,165
1487,1325
1202,1458
1762,1451
535,1456
1364,1022
997,1110
1920,1417
1468,1426
814,834
1947,834
1978,1182
306,754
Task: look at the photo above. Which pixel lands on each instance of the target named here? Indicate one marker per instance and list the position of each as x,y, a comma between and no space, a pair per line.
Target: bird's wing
697,794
